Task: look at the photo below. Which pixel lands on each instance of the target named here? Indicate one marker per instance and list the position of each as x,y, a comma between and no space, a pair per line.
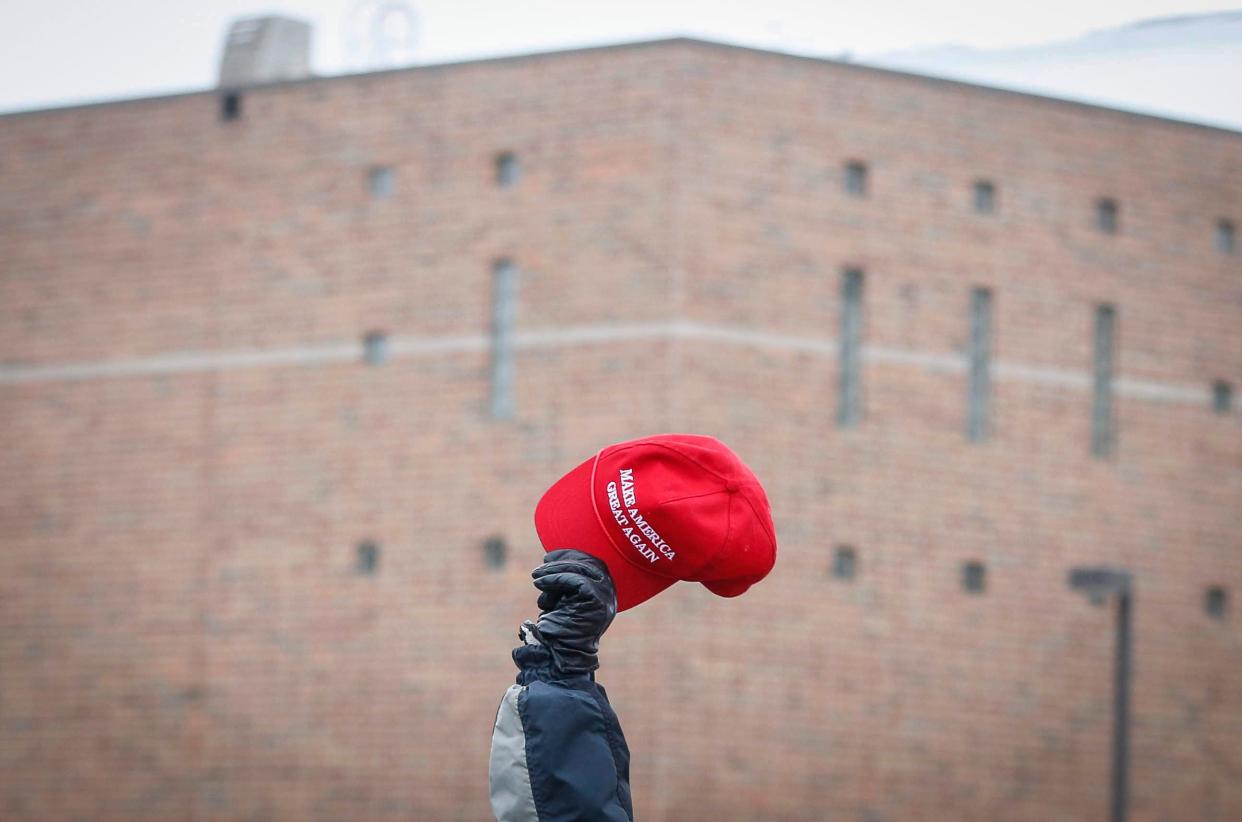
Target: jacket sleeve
558,753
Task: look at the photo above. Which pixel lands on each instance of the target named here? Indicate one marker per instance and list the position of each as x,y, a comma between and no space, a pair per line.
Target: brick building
284,370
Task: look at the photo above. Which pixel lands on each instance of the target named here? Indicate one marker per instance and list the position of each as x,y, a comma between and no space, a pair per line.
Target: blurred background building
286,365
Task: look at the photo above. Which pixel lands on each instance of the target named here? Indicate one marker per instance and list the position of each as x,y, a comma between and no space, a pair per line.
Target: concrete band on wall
414,346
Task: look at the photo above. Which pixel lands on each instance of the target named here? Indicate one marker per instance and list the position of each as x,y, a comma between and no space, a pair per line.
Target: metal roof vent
265,50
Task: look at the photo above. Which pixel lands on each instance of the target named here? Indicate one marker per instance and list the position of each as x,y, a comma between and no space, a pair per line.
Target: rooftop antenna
380,34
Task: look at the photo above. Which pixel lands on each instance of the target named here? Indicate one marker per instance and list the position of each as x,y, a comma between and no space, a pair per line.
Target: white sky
54,52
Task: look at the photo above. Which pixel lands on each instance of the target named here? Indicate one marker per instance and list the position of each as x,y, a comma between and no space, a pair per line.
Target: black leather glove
578,602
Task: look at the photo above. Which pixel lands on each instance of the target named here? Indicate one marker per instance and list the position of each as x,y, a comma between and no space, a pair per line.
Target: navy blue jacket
558,754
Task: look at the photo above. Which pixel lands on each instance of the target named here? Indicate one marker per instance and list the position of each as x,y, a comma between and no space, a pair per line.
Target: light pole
1099,584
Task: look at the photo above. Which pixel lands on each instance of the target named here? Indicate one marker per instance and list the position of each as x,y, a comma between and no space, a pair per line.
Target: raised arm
558,753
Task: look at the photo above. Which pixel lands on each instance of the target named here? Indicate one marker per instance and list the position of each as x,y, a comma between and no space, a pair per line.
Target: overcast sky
54,52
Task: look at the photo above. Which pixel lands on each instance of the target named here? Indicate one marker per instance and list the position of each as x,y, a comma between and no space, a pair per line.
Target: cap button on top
731,487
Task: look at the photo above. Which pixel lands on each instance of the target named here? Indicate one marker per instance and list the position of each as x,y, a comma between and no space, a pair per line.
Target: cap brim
565,518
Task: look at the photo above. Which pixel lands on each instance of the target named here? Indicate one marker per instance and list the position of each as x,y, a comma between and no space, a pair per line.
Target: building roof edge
849,65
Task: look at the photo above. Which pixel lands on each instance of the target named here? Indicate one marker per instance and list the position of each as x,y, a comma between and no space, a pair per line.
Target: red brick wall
183,633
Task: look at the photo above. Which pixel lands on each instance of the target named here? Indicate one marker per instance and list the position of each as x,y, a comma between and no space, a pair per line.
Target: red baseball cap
661,509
